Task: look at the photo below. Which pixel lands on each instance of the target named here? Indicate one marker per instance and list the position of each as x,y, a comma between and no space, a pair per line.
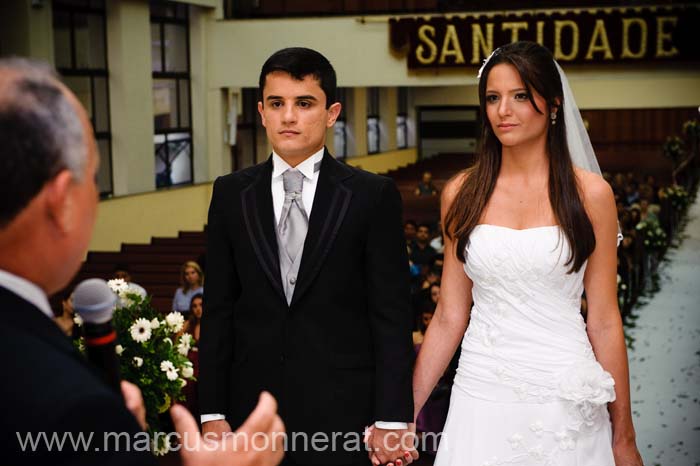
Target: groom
307,292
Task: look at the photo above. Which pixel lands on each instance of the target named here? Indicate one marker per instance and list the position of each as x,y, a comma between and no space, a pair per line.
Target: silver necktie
293,222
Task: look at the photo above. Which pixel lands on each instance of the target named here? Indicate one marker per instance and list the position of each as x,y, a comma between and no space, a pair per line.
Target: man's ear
60,205
333,113
262,114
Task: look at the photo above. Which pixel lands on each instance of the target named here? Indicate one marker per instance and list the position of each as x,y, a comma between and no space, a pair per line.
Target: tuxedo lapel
259,218
331,202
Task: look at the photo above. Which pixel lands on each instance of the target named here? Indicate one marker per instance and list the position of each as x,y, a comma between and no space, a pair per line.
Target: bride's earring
553,117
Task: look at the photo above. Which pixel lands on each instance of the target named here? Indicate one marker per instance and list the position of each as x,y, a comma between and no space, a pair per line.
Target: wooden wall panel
285,8
631,139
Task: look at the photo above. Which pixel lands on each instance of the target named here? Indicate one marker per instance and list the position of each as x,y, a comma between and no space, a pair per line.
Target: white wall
361,56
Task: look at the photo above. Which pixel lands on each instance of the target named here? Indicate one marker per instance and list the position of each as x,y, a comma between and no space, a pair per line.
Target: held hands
391,447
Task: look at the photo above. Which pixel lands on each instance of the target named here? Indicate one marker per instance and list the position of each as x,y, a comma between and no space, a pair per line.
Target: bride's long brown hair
537,69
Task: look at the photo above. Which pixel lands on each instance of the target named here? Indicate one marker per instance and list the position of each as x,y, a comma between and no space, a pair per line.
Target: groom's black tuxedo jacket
48,387
340,356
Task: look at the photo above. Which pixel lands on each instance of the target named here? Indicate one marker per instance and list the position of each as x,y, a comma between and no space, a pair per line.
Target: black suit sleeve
221,290
111,434
390,307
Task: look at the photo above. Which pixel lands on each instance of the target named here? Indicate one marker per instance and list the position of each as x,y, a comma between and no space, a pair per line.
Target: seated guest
409,233
64,318
191,390
194,320
651,182
432,277
422,252
426,186
435,293
121,271
192,282
426,318
631,194
619,206
635,214
423,299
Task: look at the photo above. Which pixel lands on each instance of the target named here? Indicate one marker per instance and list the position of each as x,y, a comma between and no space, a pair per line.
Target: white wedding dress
528,390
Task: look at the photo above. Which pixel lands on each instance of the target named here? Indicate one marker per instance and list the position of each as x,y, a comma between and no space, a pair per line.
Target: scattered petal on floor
665,367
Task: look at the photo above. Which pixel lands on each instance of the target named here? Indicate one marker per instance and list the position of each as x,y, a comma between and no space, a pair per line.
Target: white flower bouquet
677,196
673,149
651,234
149,358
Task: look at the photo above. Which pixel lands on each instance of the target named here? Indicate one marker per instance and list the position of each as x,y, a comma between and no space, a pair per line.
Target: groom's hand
258,442
215,430
394,447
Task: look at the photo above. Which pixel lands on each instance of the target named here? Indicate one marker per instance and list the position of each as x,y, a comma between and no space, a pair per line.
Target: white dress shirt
279,166
26,290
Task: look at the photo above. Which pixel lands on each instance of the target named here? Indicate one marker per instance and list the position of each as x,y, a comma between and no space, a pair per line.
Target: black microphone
94,301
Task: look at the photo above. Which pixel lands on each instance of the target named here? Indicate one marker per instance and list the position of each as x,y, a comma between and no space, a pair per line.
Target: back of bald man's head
41,133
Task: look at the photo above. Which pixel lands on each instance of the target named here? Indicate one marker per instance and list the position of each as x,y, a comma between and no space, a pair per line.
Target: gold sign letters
649,34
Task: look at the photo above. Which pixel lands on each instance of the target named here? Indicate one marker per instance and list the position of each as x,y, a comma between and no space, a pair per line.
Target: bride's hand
626,454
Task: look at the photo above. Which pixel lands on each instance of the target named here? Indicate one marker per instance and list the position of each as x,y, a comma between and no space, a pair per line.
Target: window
171,93
402,118
340,132
372,120
244,152
80,53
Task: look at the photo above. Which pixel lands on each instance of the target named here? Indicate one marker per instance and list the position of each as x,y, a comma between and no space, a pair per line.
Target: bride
529,229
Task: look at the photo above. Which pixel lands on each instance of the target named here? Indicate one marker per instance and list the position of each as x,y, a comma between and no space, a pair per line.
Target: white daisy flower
155,323
118,286
160,449
171,375
166,366
138,362
175,321
183,347
141,330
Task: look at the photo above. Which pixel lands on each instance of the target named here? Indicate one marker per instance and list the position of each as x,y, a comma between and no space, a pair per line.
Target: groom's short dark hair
300,62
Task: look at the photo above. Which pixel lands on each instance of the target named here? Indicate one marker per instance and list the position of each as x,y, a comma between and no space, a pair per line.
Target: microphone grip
100,343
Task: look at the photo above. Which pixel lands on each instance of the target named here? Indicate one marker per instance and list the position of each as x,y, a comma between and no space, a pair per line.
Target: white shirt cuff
391,425
212,417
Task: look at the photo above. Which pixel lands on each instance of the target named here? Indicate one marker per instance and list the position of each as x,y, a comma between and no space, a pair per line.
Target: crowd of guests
425,249
645,224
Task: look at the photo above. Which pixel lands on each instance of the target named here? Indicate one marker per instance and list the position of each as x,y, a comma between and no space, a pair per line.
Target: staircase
154,266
